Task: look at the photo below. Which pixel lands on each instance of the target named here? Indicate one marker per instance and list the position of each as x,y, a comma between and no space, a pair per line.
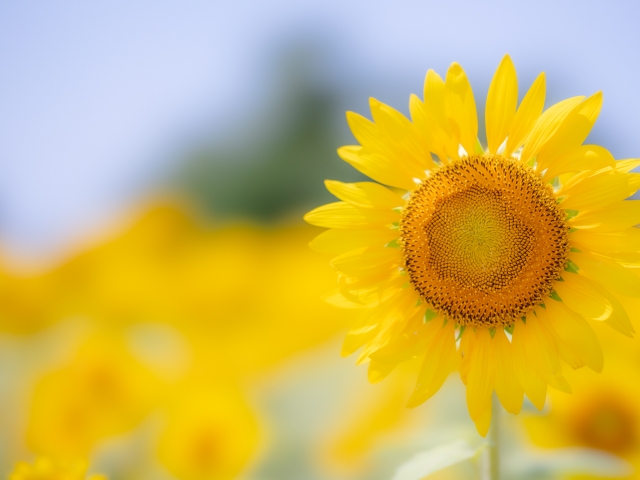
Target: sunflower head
483,240
491,261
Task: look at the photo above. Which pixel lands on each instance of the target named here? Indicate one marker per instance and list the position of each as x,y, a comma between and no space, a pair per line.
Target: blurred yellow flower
490,261
244,297
103,391
211,433
603,414
227,289
45,469
30,302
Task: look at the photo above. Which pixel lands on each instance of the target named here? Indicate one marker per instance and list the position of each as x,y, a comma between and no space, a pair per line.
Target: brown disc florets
483,240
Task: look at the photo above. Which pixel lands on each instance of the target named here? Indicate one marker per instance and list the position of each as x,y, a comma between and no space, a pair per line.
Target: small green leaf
555,296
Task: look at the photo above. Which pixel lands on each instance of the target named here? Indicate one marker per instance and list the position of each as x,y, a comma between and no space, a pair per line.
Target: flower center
483,240
607,424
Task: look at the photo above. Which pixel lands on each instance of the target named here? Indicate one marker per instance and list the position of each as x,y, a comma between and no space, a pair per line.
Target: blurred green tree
277,170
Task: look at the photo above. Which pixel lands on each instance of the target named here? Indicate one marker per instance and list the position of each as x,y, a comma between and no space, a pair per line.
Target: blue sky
98,97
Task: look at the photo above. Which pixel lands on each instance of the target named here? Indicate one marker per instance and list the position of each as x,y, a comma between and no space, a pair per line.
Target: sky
99,99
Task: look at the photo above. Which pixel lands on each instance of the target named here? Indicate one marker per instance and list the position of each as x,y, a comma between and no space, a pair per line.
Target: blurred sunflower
212,432
490,261
603,414
45,469
102,392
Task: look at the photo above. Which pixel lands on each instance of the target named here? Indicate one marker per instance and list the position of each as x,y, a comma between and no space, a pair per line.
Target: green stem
491,458
494,432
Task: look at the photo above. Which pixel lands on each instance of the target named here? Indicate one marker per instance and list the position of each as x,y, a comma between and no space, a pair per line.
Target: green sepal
393,243
429,315
571,214
571,267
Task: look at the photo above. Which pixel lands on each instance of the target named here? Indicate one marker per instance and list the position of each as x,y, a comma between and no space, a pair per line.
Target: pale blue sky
96,96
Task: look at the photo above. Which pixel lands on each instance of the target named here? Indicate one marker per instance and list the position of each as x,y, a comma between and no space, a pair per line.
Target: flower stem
491,459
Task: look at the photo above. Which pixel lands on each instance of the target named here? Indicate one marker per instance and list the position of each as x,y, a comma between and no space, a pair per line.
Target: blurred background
160,311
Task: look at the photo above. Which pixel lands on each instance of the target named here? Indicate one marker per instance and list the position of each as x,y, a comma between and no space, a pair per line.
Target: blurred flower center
206,451
483,240
607,425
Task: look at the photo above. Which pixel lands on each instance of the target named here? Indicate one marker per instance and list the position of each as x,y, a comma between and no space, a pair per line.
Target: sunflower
603,414
491,261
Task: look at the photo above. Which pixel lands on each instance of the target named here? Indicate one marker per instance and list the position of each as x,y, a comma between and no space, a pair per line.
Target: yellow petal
608,273
367,261
379,371
614,218
436,115
560,383
343,215
584,157
379,141
412,342
572,131
546,126
532,383
576,336
483,422
439,361
540,348
373,320
527,115
627,165
407,143
461,106
502,100
596,191
425,127
365,194
618,319
627,240
378,167
506,383
336,299
480,374
368,134
341,240
578,293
